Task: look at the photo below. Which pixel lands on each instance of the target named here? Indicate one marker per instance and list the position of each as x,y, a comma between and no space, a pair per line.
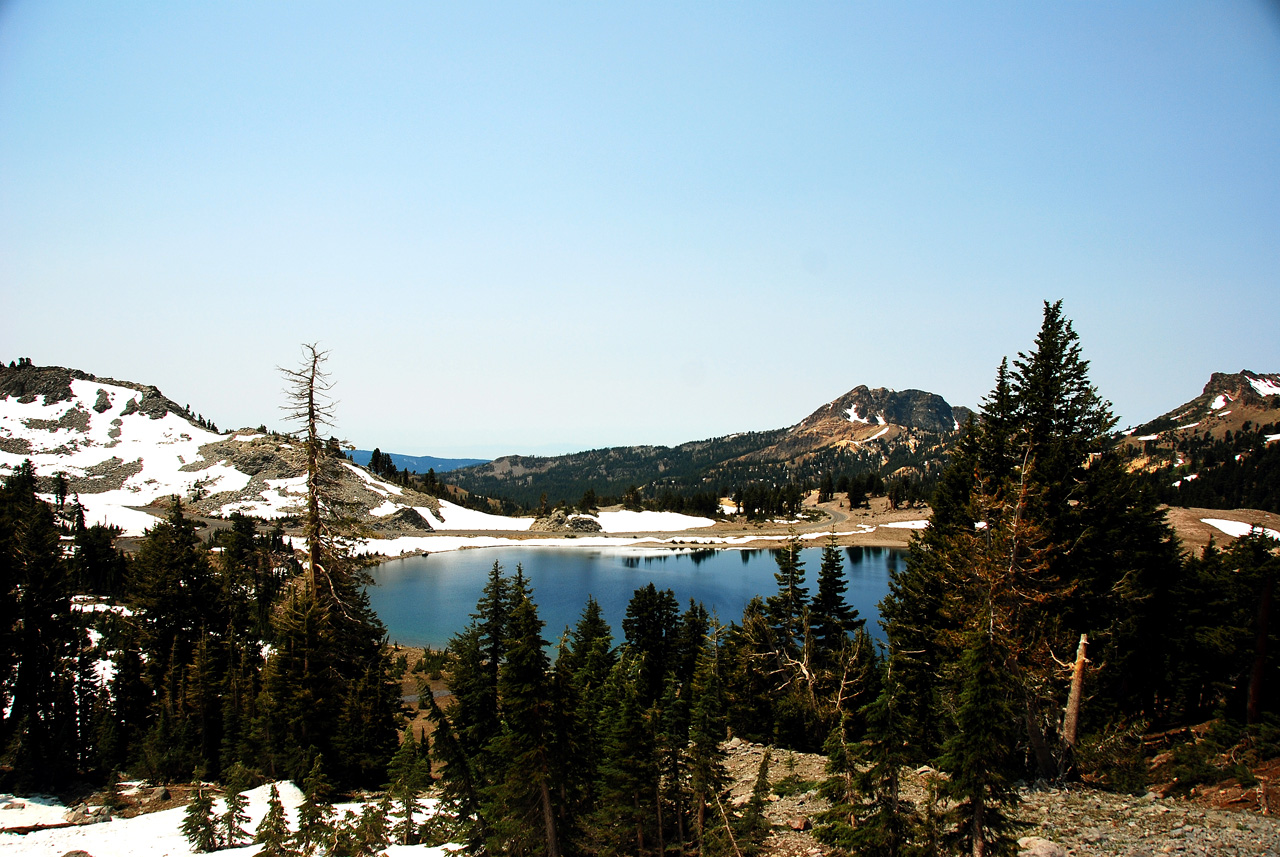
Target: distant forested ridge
835,444
416,463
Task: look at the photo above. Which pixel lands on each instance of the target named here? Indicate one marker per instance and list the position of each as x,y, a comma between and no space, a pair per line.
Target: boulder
403,520
1034,846
584,524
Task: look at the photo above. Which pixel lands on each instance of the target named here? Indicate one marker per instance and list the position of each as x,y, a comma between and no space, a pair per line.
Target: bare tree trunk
549,820
308,404
979,838
1071,716
662,841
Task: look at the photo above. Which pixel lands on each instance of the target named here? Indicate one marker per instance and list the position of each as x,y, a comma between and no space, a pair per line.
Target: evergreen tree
273,831
409,776
707,774
622,820
315,814
651,627
976,755
868,815
39,641
198,824
1037,527
786,609
234,817
371,834
526,821
832,616
326,685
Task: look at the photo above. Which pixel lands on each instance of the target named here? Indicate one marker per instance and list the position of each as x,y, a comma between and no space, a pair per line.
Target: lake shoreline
876,526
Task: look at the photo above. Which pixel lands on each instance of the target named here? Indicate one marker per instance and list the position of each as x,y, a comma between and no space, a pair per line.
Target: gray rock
403,520
1035,846
103,403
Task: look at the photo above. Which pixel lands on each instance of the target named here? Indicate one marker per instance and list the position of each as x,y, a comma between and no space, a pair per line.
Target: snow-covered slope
123,446
157,834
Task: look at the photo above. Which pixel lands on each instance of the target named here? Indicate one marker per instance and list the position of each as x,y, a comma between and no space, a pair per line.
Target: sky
540,228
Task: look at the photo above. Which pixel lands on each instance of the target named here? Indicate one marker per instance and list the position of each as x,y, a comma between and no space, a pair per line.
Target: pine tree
707,775
1038,525
624,814
371,834
273,831
976,756
409,777
651,626
527,821
868,815
234,817
315,814
786,609
39,641
198,824
831,614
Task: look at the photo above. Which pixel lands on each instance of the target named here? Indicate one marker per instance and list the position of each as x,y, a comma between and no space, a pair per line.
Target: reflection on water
424,600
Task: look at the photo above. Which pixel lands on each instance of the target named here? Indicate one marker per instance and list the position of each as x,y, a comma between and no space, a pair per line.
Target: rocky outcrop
561,521
52,384
881,406
402,522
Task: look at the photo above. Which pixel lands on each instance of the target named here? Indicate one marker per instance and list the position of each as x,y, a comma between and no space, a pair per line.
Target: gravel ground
1061,822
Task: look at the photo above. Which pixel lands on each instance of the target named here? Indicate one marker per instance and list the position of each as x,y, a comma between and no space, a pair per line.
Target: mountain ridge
875,430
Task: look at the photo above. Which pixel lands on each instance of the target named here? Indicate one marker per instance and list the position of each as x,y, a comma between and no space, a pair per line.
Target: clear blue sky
546,227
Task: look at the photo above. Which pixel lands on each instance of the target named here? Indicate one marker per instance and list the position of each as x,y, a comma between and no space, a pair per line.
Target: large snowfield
75,438
156,834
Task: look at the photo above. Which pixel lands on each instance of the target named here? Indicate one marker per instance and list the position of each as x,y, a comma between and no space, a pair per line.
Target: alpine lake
425,600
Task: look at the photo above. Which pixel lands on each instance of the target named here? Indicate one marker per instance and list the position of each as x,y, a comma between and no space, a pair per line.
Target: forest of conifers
1044,622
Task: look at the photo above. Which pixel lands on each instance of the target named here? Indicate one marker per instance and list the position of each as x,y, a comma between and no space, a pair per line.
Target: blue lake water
425,600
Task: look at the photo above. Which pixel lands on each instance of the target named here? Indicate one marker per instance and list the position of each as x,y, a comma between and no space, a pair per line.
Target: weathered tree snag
1071,716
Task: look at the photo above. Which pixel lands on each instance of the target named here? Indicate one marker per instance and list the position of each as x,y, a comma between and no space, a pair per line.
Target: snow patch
878,434
1150,437
1235,529
1189,425
624,521
854,417
1220,402
455,517
372,482
1265,386
156,834
906,525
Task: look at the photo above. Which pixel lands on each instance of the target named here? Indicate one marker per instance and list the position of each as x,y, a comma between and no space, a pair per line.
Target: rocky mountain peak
911,409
